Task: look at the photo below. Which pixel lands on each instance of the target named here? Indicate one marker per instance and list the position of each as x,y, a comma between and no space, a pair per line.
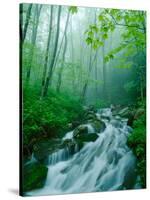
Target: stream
104,165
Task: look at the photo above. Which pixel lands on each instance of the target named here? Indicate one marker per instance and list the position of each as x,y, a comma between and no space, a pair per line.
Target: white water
104,165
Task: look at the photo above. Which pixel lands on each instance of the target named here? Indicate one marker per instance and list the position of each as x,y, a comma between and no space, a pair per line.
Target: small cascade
32,160
61,155
68,135
104,165
90,128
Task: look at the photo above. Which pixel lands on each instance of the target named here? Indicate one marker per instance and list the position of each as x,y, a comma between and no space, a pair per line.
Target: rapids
104,165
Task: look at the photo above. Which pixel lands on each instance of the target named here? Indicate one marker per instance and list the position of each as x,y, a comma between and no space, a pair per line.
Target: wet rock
87,138
138,113
124,112
98,125
34,176
82,129
44,148
90,115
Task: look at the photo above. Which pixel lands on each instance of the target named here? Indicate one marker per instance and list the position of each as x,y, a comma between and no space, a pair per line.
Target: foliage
47,116
34,176
137,141
73,9
132,22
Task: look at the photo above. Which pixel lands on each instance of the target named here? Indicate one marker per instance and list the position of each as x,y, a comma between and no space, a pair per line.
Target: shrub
48,116
137,141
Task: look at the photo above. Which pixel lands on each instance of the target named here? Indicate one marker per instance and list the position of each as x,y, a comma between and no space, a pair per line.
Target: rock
73,145
98,125
44,148
82,129
124,112
34,176
138,113
92,108
130,119
90,115
88,138
75,124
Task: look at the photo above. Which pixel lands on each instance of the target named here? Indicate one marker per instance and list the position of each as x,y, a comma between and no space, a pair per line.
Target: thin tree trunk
64,35
47,51
72,55
96,90
104,72
24,32
110,72
34,36
91,62
49,76
62,67
60,48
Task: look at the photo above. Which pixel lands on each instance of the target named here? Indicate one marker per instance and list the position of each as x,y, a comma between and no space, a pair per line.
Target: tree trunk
47,51
28,15
62,67
64,35
91,62
34,36
104,72
49,76
72,56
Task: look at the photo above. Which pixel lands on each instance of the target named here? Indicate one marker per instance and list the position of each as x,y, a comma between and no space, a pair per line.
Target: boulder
138,113
124,112
87,138
82,129
98,125
44,148
90,115
34,176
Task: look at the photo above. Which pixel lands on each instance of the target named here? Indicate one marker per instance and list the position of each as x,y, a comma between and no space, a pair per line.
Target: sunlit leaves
105,36
73,9
108,57
132,36
100,17
89,40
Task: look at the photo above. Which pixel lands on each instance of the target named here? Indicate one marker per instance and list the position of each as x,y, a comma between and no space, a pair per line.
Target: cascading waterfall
104,165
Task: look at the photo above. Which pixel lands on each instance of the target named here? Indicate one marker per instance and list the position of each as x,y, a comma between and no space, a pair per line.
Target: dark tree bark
34,36
49,76
28,15
47,51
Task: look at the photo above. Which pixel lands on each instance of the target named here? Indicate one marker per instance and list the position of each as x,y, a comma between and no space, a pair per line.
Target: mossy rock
44,148
87,138
98,125
80,130
70,144
90,115
34,176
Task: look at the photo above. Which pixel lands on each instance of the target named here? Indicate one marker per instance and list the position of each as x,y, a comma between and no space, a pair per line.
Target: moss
88,138
34,176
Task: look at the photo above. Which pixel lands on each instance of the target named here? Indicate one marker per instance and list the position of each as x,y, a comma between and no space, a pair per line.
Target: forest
78,64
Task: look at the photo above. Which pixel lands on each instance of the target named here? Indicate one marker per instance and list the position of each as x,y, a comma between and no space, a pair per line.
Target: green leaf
89,40
104,36
100,18
73,9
